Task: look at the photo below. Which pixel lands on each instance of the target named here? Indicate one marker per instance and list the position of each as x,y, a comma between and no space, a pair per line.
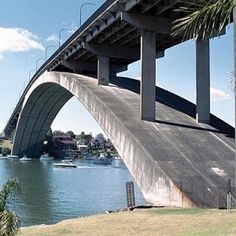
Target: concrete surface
174,160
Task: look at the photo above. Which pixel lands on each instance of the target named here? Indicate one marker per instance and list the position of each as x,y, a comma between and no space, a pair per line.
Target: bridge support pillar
202,81
103,70
148,75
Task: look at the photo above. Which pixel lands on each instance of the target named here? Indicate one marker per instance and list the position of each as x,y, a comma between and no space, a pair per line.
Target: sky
27,28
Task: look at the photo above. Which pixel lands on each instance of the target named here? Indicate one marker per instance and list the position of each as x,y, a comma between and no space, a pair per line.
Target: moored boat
25,158
88,157
45,157
11,156
102,160
3,157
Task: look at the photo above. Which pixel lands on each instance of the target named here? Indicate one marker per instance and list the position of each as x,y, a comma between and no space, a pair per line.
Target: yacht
88,157
45,157
65,164
3,157
102,160
11,156
118,157
25,158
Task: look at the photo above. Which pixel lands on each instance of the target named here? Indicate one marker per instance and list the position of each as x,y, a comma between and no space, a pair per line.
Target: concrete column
103,70
148,75
203,81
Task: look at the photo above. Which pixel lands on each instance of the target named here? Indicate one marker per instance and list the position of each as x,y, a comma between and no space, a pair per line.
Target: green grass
148,222
179,211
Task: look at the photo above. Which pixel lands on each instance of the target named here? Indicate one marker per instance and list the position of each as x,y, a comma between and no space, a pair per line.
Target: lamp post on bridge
37,61
24,84
46,51
59,37
30,74
80,10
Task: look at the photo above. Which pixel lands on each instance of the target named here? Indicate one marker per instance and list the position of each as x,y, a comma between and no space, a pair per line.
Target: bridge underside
175,160
36,118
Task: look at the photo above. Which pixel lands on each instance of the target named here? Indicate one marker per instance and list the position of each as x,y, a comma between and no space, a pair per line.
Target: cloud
218,95
17,40
52,38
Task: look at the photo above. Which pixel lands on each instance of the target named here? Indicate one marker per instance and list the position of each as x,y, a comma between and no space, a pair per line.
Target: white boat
118,157
88,158
11,156
102,160
45,157
25,158
65,164
3,157
67,160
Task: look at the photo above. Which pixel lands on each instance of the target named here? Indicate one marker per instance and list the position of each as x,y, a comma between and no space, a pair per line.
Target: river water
50,194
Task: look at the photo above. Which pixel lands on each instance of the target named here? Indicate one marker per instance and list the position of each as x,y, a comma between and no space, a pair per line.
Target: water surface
52,194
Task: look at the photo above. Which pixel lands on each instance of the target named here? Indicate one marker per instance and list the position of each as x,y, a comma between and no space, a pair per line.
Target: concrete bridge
178,153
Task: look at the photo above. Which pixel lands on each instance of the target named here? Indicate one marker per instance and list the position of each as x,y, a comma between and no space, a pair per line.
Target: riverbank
157,221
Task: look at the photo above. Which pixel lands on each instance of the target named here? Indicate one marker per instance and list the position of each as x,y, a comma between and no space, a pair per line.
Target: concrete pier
103,70
148,75
202,81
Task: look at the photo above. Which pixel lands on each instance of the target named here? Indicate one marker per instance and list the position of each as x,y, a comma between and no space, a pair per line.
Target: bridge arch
169,160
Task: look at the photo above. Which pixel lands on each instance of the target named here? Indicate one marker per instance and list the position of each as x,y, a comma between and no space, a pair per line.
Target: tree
84,138
203,19
6,151
9,222
70,133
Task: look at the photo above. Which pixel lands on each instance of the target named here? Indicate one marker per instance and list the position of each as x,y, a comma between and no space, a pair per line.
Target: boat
3,157
102,160
45,157
67,160
88,158
118,157
65,164
25,158
11,156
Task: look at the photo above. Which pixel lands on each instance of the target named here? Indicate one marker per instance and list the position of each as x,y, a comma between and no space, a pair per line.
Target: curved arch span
168,158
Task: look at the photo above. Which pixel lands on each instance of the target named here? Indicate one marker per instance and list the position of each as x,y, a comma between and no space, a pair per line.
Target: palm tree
9,222
203,18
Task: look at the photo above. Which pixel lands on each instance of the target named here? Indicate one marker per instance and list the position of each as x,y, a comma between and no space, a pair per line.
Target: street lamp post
24,84
59,38
80,11
31,73
37,61
46,51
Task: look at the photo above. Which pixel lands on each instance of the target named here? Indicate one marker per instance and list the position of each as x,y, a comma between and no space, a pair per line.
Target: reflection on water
51,194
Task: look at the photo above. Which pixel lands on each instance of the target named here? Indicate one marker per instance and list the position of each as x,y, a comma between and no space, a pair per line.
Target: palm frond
9,223
11,186
203,19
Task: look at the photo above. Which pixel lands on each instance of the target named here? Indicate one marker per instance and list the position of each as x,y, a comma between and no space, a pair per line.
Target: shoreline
99,213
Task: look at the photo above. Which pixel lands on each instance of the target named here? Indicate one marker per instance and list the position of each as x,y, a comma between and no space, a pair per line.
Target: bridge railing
45,65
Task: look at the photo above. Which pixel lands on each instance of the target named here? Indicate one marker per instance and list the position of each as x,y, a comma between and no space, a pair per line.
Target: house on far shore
63,145
83,149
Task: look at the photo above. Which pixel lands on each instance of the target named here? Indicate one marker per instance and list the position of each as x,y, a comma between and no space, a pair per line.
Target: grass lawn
163,222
